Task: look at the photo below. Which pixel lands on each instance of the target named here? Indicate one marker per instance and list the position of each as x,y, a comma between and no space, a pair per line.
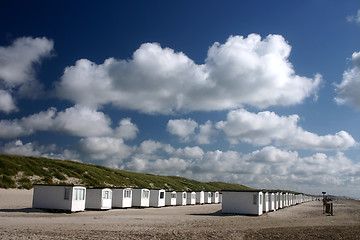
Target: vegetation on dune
23,172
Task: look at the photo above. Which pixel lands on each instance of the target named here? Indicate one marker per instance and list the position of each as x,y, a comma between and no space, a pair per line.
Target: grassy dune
23,172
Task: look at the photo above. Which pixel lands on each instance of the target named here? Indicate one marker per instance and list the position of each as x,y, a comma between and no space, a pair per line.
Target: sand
304,221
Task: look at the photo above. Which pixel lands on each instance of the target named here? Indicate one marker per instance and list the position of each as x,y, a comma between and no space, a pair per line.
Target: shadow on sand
23,210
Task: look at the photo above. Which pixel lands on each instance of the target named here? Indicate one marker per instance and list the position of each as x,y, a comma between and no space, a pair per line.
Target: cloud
77,121
186,130
29,149
269,167
354,18
349,89
104,148
151,147
242,71
265,128
126,129
17,69
206,133
183,128
7,103
189,153
83,121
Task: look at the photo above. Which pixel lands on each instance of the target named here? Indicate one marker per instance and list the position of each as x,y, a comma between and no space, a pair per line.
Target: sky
260,93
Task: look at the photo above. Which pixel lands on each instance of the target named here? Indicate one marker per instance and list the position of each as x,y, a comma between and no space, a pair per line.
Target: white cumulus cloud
265,128
242,71
126,129
349,89
183,128
17,72
17,147
104,148
77,121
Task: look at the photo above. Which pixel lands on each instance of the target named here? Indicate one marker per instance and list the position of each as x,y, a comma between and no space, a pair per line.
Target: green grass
23,172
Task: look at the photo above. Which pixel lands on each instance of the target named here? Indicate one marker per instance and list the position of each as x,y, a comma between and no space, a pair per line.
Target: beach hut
170,198
271,202
280,200
200,198
121,197
98,198
181,198
207,197
284,200
215,197
141,197
276,200
248,202
59,197
191,198
157,198
265,202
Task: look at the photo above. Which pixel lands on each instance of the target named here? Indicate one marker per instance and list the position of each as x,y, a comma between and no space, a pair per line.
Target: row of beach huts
78,198
255,202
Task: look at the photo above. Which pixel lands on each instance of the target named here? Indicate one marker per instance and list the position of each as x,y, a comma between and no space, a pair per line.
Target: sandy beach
304,221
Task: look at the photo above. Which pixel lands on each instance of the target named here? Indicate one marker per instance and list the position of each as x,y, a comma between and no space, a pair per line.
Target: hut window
217,194
260,199
255,199
145,194
184,195
127,194
162,195
173,195
106,195
67,194
79,194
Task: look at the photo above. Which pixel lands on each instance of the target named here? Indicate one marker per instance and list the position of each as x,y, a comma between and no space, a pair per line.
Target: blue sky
261,93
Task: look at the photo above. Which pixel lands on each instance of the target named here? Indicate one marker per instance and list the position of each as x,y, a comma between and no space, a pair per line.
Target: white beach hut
181,198
249,202
271,202
287,200
98,198
277,200
157,198
170,198
141,197
121,197
280,200
284,200
200,198
265,202
191,198
59,197
207,197
215,197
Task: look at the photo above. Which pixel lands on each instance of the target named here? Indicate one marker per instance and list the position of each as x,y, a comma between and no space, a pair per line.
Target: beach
304,221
